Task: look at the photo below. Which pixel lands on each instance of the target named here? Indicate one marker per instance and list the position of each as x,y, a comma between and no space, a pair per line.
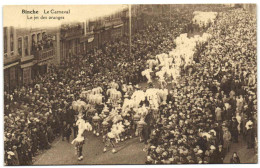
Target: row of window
23,42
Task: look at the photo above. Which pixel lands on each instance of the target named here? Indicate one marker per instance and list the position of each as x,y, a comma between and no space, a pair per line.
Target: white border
81,2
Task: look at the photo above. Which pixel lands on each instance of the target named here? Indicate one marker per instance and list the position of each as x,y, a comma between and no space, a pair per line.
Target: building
87,40
27,54
42,47
11,59
113,27
251,8
70,35
24,43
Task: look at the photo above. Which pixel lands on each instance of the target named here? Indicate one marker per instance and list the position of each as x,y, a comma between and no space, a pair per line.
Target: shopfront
11,80
27,72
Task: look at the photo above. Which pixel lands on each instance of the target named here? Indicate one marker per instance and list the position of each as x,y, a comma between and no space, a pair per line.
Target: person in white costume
152,63
160,75
147,74
79,140
238,117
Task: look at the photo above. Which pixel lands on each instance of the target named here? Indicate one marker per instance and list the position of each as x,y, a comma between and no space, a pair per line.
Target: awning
87,38
116,26
26,58
83,39
13,64
27,65
106,28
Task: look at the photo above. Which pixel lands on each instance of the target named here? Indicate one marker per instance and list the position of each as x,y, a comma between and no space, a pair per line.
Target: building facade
11,59
27,54
70,35
24,42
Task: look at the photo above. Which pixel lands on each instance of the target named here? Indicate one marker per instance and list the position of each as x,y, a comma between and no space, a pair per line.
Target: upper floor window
5,40
12,39
20,48
26,42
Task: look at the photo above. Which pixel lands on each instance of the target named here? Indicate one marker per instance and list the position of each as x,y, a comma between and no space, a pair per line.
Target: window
12,39
26,41
44,36
38,37
5,40
34,47
20,45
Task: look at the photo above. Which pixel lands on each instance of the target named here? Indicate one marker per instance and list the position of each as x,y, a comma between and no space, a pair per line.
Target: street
245,155
63,153
128,152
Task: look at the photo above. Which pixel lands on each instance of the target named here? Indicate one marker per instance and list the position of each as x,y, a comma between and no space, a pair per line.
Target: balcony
11,58
88,37
113,22
43,55
71,32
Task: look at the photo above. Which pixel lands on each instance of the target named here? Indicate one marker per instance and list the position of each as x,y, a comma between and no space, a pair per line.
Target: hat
111,135
153,147
200,151
212,147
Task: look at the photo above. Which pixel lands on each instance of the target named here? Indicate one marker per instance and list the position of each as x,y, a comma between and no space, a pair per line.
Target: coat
226,138
218,112
235,160
220,156
250,136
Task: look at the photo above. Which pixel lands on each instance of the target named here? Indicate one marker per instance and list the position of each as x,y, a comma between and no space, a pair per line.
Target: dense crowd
37,113
205,109
217,102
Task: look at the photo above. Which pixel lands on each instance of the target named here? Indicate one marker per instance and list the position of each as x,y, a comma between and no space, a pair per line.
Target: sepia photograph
130,84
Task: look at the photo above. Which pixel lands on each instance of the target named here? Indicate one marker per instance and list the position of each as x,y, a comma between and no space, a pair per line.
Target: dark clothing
220,156
146,133
214,158
234,131
75,131
235,160
250,138
67,133
203,144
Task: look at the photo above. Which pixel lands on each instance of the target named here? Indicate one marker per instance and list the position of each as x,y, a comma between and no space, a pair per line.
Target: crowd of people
44,43
206,109
217,102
